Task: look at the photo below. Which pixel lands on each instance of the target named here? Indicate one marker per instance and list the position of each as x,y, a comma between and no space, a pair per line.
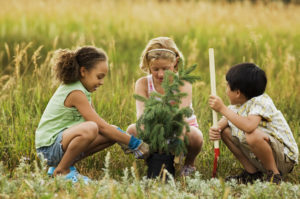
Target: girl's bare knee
195,137
132,129
91,125
91,131
114,126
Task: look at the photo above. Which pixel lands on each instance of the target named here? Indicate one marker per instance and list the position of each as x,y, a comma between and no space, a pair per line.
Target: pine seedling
162,123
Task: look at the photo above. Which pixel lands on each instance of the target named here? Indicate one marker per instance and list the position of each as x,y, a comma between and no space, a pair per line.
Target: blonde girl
162,54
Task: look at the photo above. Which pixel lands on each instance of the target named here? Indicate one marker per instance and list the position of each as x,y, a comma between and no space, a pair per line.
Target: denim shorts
53,153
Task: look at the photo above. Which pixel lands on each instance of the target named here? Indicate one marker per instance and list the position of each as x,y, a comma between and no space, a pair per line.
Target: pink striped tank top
191,120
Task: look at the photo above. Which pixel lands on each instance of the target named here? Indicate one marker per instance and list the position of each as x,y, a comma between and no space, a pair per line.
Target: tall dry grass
30,31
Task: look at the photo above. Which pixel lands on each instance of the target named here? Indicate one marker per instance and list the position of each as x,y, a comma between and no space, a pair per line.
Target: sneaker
246,177
187,170
273,178
142,151
50,171
74,176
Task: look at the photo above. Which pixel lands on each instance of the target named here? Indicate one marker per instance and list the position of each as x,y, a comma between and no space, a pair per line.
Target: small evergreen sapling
162,123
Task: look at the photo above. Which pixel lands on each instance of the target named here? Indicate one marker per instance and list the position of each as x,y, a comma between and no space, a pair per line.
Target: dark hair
68,62
248,78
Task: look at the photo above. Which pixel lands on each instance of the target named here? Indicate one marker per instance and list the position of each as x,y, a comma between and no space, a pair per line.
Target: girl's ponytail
66,67
68,62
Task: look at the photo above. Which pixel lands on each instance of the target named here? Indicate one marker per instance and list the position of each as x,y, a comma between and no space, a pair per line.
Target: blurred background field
30,31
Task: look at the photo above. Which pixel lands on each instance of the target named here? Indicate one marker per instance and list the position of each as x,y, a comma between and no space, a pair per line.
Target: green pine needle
163,120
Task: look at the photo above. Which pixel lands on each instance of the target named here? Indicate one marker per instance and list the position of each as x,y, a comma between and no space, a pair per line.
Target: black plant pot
155,163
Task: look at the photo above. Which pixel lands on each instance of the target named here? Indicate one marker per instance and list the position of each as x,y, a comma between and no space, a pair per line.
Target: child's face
158,67
94,78
232,95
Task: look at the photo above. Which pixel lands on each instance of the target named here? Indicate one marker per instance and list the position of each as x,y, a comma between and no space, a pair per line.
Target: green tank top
57,116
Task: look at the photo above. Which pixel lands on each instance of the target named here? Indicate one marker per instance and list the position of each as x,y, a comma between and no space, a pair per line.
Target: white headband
162,49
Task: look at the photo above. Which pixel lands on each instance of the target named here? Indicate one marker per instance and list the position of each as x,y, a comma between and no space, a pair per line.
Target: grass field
30,31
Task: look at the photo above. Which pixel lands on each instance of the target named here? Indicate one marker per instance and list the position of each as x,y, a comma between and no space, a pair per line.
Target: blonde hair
155,50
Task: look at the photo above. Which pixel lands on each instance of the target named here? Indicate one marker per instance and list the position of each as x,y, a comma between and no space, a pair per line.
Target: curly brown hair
68,62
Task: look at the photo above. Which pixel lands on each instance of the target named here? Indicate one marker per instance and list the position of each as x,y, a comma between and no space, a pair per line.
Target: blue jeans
53,153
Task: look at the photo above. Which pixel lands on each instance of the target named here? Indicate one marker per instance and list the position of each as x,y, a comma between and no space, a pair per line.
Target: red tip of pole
217,154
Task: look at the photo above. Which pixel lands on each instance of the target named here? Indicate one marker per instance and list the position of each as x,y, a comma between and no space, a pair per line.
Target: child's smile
94,78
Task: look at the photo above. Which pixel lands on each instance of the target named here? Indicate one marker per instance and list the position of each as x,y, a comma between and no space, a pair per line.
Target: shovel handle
213,88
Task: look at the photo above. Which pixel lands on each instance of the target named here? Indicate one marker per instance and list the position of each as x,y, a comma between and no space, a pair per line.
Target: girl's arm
79,100
187,100
247,124
140,89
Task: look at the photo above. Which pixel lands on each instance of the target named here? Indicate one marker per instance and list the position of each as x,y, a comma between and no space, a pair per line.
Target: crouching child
252,127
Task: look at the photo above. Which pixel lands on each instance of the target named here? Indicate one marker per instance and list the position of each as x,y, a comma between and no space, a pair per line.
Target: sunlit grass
35,184
30,31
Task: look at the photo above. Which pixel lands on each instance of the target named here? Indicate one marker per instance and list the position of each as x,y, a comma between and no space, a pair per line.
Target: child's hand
216,103
214,133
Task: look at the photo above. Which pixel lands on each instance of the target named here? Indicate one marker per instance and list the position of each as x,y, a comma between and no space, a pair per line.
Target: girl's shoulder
142,81
67,89
187,86
141,84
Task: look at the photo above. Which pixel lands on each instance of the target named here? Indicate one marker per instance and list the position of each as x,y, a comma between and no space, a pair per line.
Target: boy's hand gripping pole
215,119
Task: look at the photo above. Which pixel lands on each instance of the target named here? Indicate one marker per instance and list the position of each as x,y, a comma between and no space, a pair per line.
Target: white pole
213,88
